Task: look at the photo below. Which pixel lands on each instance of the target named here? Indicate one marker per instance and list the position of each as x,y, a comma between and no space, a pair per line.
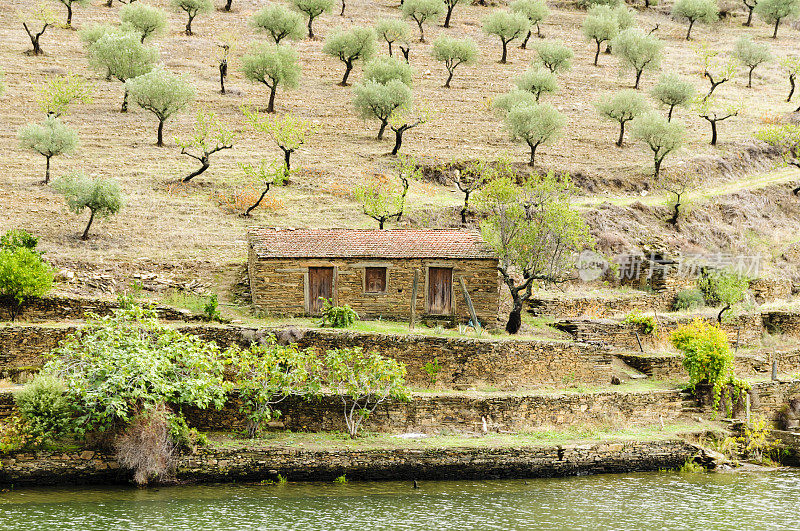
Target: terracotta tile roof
367,243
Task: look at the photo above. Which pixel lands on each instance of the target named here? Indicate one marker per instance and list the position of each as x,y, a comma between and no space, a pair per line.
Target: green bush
723,288
646,324
211,308
45,409
15,238
689,299
23,276
337,316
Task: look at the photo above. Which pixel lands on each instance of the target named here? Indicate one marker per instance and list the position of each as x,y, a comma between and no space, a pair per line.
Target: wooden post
414,287
467,298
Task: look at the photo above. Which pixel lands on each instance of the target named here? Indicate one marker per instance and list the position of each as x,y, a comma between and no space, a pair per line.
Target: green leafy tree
673,91
471,178
363,381
625,17
273,65
385,69
751,54
421,12
516,97
383,200
147,20
637,51
102,197
537,81
716,69
696,11
288,132
600,26
723,288
192,8
312,9
622,107
267,374
508,26
377,101
92,33
69,4
449,6
554,56
280,22
534,230
58,93
267,174
709,110
49,138
35,24
356,43
773,11
402,120
535,125
210,136
453,53
392,30
791,66
122,56
536,11
23,276
163,94
661,136
749,5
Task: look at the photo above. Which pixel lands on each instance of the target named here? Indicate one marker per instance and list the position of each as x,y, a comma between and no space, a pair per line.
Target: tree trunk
85,235
204,166
398,139
713,132
597,54
505,52
675,213
348,66
228,5
310,29
791,92
260,198
689,31
223,71
125,101
669,114
382,129
657,163
533,154
750,77
719,315
271,104
465,208
343,6
109,3
621,133
287,155
749,16
515,317
69,15
775,33
47,170
447,16
390,48
421,32
381,221
160,142
189,25
638,78
524,44
449,79
406,51
34,39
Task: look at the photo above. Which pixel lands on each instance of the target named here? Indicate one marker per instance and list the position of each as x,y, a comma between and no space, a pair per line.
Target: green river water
748,501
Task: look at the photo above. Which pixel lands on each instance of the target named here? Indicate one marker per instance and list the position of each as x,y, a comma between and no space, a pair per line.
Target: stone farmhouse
376,272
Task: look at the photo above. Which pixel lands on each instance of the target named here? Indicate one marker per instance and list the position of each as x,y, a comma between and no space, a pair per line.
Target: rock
710,458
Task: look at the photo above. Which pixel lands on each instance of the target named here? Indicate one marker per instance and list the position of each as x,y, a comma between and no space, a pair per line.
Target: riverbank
324,457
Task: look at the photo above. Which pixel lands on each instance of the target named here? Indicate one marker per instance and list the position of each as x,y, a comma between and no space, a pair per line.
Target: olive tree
102,197
421,12
312,9
453,53
508,26
661,136
289,132
384,200
378,101
222,52
696,11
749,5
554,56
536,11
712,112
513,98
58,93
384,69
791,66
773,11
122,56
537,81
716,69
534,230
673,91
163,94
49,138
535,125
449,6
192,9
622,107
210,136
637,51
273,65
146,20
600,26
36,23
69,5
392,30
404,119
356,43
267,174
471,178
279,21
751,54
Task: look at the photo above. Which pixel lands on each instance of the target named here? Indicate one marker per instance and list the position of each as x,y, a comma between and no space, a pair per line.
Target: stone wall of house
70,308
279,286
259,463
464,413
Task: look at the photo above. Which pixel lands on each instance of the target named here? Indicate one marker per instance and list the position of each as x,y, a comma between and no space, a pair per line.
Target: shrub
385,69
16,238
102,197
49,138
422,11
337,316
280,22
554,56
537,81
637,51
192,8
509,26
695,11
363,381
147,446
688,299
146,20
162,93
44,408
273,65
661,136
644,323
23,276
622,107
673,91
211,308
721,287
535,125
356,43
454,52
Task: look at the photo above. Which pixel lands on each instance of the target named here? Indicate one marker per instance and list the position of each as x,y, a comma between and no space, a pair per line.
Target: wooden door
320,286
440,289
